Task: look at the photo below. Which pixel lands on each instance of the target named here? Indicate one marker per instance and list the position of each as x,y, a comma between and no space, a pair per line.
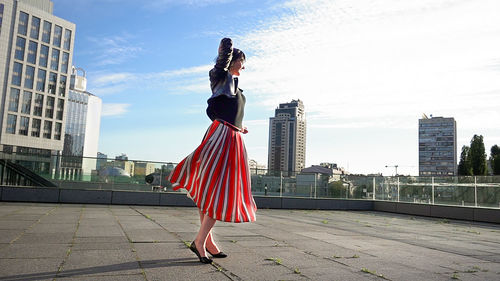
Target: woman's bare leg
201,238
210,243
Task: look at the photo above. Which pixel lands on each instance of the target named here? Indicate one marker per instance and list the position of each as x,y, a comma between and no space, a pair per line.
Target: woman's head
237,62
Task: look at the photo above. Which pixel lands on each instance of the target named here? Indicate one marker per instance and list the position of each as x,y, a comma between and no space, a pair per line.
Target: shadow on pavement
146,264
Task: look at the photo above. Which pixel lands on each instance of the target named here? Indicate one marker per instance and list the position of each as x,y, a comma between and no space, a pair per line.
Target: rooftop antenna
424,116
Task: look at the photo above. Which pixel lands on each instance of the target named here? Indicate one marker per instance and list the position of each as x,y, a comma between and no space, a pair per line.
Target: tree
464,166
477,156
495,159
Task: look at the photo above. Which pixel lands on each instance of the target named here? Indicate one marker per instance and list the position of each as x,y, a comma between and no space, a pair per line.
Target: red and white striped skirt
217,177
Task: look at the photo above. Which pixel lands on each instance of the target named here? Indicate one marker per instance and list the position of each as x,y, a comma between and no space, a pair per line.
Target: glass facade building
437,146
81,136
287,137
35,62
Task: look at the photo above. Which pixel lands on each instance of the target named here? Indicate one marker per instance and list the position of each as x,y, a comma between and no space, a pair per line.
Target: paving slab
100,262
27,251
45,238
29,269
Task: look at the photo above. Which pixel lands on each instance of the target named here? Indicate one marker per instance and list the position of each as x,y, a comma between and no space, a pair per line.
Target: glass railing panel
488,191
121,174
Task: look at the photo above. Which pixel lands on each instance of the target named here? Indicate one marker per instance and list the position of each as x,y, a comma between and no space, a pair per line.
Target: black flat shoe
218,255
202,259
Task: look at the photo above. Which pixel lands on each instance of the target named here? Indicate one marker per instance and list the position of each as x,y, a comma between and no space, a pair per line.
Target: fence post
432,190
373,188
281,183
398,189
315,185
475,191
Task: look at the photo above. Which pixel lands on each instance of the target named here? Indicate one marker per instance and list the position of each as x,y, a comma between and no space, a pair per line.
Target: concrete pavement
112,242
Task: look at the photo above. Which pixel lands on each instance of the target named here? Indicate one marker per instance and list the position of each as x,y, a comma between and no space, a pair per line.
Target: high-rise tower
36,51
437,146
287,137
82,129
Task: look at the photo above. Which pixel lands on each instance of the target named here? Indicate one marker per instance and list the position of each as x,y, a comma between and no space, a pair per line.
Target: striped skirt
217,177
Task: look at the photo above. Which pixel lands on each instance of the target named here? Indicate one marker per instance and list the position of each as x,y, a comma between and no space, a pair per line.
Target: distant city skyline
367,70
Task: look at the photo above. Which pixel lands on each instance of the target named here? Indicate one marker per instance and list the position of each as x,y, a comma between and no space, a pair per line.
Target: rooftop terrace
117,242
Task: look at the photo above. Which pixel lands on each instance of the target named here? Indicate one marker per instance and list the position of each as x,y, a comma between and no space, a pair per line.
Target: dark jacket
227,101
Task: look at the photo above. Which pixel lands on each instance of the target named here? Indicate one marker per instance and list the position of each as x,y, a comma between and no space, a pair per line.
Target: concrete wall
85,196
440,211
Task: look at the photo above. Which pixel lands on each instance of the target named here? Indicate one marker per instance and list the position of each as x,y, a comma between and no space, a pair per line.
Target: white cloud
114,109
377,60
113,78
110,50
176,82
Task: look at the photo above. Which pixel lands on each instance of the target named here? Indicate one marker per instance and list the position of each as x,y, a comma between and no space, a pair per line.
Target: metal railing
119,174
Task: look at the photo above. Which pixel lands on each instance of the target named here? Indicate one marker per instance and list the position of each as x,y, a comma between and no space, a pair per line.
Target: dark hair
237,54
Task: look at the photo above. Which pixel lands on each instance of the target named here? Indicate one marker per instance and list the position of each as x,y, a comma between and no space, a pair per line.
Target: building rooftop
101,242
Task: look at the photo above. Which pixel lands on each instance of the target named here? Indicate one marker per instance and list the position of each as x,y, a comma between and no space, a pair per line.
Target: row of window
437,124
435,153
441,148
43,56
41,79
36,127
57,32
434,143
27,101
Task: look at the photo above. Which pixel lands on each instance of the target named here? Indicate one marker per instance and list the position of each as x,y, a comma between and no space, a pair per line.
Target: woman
216,174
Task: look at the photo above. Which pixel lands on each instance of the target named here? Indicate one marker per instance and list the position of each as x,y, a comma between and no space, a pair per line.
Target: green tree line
473,159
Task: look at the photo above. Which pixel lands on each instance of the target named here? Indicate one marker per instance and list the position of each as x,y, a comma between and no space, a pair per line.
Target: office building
36,51
82,129
437,146
287,138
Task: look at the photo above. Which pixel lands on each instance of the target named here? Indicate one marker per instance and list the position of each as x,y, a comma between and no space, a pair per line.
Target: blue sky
366,71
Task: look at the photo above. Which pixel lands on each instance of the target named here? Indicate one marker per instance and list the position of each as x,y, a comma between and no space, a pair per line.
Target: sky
366,71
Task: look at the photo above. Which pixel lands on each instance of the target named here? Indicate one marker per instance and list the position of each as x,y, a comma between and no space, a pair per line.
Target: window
54,60
24,125
60,109
29,76
47,129
67,39
62,85
35,27
52,83
49,108
20,43
16,74
64,62
32,52
11,124
44,54
47,26
14,99
22,27
56,41
26,106
40,80
35,127
57,131
37,110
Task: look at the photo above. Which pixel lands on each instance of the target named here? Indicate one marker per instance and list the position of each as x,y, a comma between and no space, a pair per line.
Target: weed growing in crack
275,260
